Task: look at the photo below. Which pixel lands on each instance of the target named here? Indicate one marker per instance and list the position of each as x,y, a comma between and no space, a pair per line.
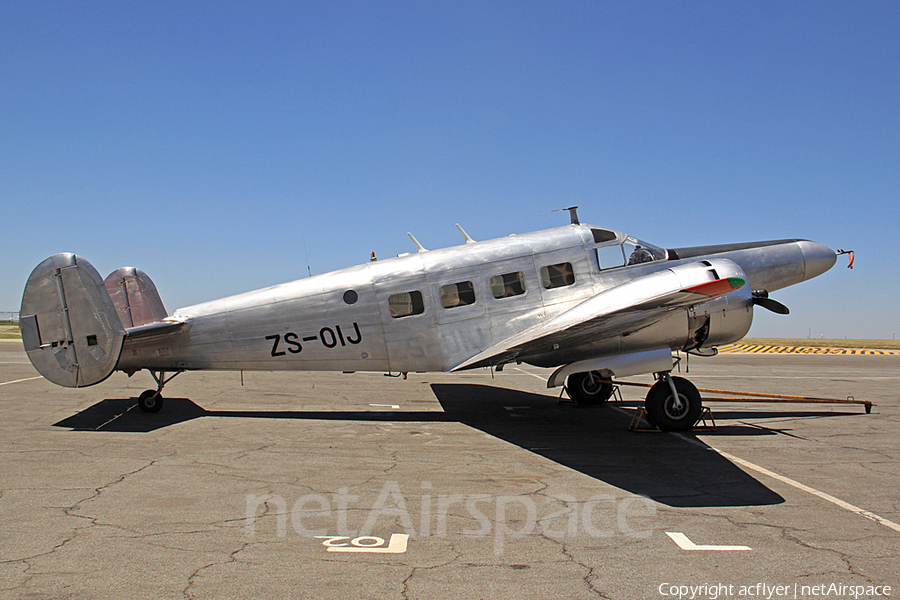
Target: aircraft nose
817,258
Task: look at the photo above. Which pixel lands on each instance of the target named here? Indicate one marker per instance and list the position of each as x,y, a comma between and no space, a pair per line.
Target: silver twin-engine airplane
595,303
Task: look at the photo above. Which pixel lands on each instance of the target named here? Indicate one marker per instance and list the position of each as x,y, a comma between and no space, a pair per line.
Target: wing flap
623,309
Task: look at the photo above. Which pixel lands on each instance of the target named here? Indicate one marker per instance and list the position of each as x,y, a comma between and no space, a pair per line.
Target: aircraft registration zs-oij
595,303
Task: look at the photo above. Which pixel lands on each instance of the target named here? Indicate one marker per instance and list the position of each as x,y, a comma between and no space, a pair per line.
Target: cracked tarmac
504,492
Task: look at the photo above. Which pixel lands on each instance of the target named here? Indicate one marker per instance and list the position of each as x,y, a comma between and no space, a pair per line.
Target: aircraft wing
620,310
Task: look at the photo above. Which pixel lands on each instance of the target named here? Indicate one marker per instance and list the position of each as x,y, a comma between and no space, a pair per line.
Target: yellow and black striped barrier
770,349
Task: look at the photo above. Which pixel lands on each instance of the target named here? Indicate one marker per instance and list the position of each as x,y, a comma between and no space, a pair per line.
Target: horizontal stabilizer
620,310
167,327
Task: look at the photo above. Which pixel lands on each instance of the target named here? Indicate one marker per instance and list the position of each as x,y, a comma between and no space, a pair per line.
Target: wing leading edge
620,310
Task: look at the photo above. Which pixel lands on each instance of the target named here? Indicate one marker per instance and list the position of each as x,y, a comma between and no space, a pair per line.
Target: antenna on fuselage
416,242
308,270
573,213
469,240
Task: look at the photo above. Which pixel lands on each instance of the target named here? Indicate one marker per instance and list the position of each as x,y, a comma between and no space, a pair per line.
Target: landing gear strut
673,403
151,401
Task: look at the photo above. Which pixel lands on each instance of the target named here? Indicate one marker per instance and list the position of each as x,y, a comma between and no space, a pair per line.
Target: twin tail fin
74,323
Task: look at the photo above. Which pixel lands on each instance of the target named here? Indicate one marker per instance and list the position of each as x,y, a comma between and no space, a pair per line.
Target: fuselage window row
454,295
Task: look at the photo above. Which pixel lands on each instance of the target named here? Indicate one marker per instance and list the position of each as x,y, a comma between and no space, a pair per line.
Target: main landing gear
672,403
151,401
588,388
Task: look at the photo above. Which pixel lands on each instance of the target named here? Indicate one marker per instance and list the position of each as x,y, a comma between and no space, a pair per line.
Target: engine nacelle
725,319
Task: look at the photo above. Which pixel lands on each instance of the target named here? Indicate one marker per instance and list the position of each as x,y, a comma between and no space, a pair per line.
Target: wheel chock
565,401
704,414
616,395
641,416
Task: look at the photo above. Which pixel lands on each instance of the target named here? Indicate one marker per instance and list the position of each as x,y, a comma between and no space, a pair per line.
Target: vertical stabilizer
70,328
135,297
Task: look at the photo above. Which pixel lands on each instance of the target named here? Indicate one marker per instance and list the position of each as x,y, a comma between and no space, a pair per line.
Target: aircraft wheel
588,388
150,401
668,414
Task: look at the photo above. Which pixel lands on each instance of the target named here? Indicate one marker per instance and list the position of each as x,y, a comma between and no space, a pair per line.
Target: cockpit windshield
631,251
642,252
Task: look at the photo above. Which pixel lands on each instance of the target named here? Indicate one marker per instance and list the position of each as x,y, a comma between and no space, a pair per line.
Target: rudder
70,328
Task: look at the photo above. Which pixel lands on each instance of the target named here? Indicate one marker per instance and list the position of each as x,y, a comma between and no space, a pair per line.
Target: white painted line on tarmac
394,406
21,380
828,497
686,544
544,379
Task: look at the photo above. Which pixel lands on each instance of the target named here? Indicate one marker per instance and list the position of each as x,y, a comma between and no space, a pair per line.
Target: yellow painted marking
760,349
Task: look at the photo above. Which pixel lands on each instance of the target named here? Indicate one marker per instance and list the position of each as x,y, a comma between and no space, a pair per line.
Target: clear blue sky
206,142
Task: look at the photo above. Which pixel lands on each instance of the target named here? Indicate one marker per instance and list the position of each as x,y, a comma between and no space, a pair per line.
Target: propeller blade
774,305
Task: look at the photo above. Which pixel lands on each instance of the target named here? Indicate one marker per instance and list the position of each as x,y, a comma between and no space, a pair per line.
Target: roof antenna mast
308,269
573,213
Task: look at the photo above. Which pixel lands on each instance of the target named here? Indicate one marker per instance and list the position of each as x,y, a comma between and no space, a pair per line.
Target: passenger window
554,276
457,294
406,304
508,284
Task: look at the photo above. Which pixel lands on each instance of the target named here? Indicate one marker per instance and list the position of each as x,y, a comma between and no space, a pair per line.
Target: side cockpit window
603,235
631,252
406,304
559,275
639,252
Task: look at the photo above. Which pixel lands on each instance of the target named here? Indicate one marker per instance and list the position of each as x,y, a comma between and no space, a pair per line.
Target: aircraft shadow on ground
594,441
122,415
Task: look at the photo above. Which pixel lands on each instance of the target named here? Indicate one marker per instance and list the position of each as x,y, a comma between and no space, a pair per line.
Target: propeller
761,298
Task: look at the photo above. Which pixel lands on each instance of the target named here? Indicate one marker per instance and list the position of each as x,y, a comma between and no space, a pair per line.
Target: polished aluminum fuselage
310,324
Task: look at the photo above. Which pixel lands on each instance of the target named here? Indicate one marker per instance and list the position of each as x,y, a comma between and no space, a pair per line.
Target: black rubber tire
586,389
660,406
150,401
